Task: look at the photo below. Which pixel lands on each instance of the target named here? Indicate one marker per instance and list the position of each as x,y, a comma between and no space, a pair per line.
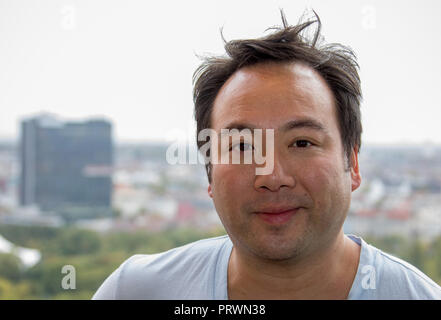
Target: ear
355,169
210,193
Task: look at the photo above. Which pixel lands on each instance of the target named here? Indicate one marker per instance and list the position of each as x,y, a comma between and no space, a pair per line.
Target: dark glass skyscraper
66,166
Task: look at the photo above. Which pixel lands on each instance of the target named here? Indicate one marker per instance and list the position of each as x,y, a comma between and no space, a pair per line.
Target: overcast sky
132,61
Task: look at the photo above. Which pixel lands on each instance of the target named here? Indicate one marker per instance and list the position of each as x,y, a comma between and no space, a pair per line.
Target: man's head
310,98
334,62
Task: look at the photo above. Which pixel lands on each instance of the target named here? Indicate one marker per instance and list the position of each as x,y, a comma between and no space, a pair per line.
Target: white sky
132,61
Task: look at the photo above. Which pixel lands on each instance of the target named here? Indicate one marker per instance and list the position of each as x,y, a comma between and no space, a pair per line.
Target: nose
280,177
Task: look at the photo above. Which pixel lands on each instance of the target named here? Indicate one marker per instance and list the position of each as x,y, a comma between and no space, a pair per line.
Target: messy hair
337,64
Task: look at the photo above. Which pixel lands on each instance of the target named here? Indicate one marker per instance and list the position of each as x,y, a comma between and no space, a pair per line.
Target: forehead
269,94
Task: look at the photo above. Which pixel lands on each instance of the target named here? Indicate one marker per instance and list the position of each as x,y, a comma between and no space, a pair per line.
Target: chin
281,251
279,255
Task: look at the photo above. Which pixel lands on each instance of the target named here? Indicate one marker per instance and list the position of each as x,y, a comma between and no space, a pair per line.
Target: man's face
302,204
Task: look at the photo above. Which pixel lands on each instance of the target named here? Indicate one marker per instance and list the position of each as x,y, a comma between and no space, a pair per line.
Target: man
285,236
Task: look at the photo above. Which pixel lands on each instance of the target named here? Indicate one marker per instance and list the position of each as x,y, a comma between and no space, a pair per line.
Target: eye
242,147
302,144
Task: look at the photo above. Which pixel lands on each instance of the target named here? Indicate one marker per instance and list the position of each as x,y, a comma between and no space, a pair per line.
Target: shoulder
185,272
404,279
383,276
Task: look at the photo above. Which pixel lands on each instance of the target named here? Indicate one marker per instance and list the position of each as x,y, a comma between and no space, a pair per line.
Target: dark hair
334,62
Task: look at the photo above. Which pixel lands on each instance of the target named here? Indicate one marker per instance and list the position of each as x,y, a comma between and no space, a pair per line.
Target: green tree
10,291
78,241
10,267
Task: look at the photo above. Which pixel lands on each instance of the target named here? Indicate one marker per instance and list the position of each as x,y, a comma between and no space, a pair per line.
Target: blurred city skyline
132,62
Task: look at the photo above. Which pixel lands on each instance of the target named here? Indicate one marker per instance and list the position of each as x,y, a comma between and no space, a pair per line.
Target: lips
277,215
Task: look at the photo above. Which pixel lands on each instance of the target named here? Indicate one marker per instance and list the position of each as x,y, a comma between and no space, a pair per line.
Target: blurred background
92,93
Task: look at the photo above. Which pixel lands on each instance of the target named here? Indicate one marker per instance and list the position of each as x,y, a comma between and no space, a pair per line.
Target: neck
327,274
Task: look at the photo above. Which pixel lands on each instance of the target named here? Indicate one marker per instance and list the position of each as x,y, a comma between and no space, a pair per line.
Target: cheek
327,183
229,181
230,186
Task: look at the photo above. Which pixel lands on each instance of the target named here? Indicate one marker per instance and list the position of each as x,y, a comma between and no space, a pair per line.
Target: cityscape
94,92
75,173
72,174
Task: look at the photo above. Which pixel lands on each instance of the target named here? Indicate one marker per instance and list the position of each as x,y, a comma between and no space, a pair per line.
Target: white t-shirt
199,271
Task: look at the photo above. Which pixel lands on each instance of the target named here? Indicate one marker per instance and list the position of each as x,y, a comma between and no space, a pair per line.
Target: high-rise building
66,166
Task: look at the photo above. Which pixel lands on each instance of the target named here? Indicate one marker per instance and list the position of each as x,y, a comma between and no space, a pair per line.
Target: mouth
277,216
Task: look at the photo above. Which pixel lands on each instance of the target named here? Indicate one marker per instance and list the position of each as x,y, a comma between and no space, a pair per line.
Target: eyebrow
303,123
290,125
